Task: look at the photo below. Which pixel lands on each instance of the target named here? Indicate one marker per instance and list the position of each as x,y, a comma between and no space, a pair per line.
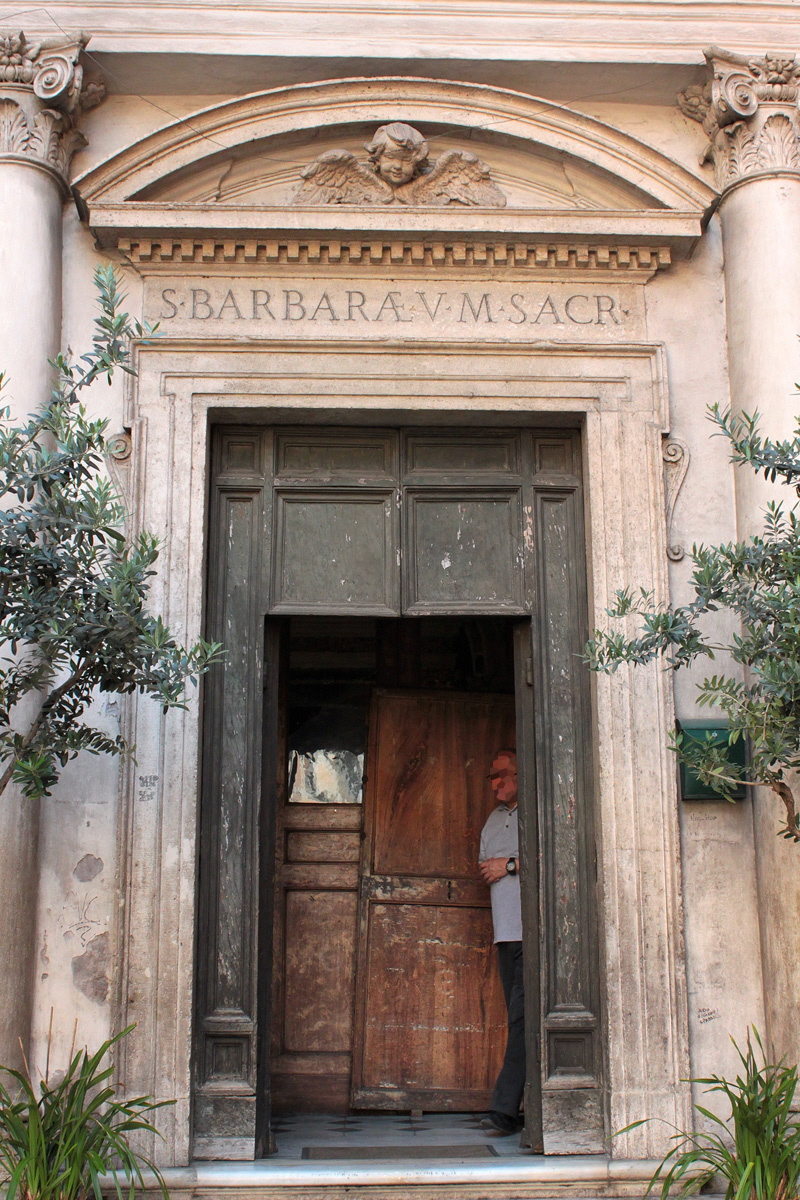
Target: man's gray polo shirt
500,839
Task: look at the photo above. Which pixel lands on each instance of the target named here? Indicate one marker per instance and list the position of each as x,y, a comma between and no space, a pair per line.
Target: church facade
442,295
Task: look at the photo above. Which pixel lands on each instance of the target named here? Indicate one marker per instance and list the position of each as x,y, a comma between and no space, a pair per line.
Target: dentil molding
749,109
42,95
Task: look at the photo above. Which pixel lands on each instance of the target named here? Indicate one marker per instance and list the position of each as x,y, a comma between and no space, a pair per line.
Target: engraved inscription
255,307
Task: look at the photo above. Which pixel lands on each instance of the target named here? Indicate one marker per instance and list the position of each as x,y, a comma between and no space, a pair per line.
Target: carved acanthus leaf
14,132
53,137
742,156
70,141
777,144
47,126
749,110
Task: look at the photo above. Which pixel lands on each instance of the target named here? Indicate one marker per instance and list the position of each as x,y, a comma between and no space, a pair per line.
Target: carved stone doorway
475,524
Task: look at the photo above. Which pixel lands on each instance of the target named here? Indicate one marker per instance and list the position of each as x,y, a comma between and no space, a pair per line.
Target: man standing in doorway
499,867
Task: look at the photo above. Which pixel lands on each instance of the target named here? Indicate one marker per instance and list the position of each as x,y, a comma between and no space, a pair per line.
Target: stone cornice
749,110
496,238
568,31
42,94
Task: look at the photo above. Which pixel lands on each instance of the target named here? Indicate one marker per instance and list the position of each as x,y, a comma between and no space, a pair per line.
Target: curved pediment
250,152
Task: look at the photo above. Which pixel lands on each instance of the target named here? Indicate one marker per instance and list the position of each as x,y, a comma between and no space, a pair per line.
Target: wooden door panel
315,940
463,551
430,763
432,457
303,454
227,998
316,847
336,552
319,967
402,889
411,764
572,1098
430,1023
435,1029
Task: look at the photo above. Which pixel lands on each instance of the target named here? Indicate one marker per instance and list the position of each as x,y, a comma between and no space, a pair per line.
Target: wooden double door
402,525
386,990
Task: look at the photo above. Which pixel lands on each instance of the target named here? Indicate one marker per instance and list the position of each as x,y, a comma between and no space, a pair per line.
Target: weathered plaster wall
686,309
76,945
122,120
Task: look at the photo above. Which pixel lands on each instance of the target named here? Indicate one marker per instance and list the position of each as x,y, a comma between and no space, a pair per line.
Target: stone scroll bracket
119,451
749,111
675,454
43,93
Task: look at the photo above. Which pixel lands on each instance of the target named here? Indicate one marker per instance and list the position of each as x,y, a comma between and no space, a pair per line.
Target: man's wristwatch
511,866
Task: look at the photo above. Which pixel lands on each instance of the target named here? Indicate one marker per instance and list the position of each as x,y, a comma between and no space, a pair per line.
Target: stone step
523,1177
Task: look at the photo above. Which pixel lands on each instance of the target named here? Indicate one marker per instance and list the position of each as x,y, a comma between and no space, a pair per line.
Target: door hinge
529,672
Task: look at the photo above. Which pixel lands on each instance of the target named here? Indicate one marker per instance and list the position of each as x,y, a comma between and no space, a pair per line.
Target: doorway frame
248,481
618,395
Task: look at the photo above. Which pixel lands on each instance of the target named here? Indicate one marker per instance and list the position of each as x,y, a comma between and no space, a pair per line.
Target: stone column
41,97
749,109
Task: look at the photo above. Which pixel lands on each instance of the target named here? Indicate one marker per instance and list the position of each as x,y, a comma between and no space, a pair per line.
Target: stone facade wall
96,897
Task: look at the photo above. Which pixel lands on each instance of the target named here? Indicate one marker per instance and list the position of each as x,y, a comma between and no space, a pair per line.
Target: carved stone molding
676,463
749,110
42,95
432,253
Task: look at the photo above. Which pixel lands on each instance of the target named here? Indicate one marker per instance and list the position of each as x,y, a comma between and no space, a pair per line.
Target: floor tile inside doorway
294,1134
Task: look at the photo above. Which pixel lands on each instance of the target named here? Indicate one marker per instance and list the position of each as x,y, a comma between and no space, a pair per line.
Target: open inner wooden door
430,1018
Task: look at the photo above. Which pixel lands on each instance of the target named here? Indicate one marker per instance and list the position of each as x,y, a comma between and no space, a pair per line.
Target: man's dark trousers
507,1094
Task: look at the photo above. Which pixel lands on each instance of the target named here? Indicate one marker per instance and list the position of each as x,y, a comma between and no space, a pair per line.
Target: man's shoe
497,1122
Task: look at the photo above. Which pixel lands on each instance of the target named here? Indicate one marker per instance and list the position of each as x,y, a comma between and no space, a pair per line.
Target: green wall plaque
691,786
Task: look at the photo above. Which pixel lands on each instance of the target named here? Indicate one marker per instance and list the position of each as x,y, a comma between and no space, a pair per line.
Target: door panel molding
336,551
462,551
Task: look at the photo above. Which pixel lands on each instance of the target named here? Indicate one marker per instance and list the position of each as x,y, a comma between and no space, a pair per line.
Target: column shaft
761,237
40,100
750,111
30,318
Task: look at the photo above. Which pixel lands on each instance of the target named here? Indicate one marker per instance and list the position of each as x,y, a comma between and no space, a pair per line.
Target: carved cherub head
397,153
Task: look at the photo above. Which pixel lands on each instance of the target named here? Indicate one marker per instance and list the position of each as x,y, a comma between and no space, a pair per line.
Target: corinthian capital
749,110
42,94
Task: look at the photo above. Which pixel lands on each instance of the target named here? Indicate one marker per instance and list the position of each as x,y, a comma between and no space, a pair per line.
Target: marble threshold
507,1171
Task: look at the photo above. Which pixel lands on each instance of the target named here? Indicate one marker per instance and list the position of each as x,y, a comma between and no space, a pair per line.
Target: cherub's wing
457,177
337,177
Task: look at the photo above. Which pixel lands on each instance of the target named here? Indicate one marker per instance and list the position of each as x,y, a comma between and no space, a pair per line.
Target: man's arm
492,869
